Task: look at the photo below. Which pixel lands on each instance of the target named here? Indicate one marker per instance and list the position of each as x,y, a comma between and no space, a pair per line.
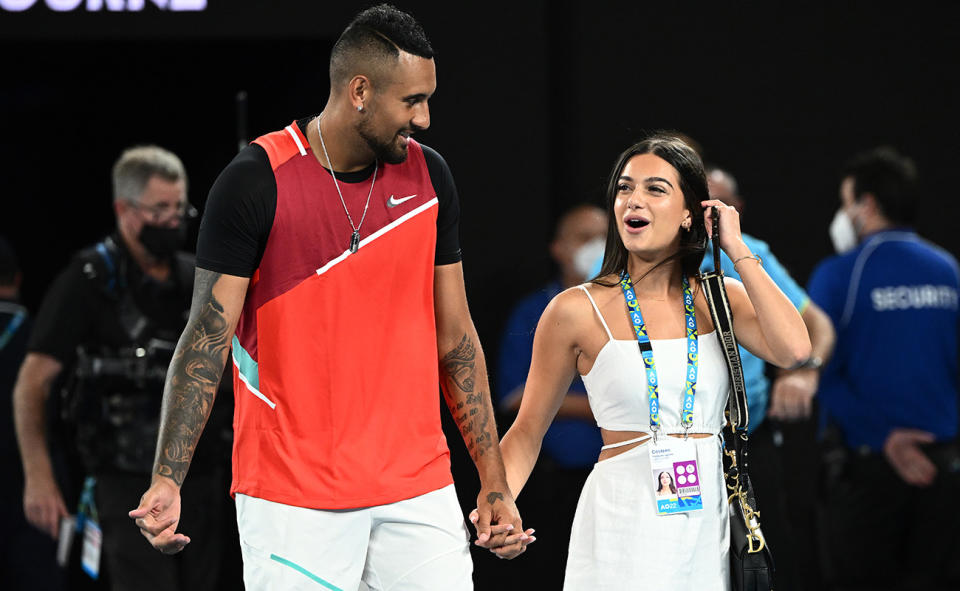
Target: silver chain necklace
355,237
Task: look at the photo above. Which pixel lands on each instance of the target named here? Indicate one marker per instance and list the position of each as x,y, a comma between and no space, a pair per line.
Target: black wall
534,102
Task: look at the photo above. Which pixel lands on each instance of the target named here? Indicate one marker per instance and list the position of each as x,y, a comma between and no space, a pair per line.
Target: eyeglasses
164,212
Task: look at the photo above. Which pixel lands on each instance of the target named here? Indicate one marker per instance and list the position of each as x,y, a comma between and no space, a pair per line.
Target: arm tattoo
492,497
192,380
459,364
471,410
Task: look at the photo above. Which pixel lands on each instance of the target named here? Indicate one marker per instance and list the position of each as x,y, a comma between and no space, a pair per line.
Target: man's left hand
496,518
902,450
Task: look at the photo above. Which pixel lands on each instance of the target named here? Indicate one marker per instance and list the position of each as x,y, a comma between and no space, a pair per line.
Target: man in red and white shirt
328,262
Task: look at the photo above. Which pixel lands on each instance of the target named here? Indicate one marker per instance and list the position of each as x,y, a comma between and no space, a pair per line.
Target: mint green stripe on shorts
304,571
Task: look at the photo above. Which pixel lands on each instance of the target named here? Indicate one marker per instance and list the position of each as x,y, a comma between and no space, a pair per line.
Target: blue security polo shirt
570,443
754,376
893,301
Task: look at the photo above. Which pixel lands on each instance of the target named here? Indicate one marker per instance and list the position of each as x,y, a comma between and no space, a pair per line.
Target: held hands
730,238
43,505
158,514
909,462
496,519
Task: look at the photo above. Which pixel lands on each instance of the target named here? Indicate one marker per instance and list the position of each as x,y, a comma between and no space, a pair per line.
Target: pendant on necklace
355,241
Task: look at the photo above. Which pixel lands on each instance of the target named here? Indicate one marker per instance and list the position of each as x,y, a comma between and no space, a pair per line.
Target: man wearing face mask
105,333
572,443
889,396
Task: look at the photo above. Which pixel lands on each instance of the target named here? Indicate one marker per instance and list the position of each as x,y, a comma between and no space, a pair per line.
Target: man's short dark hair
890,177
378,33
9,267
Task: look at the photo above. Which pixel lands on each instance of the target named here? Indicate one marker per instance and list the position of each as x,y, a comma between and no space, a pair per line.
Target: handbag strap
738,479
719,304
738,415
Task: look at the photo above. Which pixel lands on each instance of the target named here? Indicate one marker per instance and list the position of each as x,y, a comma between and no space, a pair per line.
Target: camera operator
106,331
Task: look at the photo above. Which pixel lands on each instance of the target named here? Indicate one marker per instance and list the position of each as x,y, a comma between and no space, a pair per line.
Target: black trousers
784,467
131,563
878,532
27,555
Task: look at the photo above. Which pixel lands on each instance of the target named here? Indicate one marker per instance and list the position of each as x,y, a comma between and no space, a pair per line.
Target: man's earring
360,108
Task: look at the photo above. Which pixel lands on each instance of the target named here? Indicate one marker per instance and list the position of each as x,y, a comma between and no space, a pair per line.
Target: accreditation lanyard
646,351
11,328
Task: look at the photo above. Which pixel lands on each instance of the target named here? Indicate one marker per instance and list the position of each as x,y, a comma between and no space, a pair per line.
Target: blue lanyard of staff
87,508
646,351
11,328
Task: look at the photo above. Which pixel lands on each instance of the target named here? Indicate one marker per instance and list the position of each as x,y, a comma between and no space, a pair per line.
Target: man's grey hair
137,165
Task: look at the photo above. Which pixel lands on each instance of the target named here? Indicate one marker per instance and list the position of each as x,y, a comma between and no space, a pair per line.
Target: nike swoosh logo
393,201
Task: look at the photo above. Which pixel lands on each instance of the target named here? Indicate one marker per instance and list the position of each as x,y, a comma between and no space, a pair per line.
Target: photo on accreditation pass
677,488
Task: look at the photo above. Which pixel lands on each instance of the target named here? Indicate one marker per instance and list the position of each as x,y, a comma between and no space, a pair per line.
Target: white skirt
619,542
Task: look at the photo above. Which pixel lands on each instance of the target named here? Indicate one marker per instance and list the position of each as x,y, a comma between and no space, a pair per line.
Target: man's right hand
43,504
158,516
903,452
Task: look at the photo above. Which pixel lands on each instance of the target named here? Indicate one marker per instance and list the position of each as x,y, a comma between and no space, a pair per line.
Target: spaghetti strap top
597,310
616,384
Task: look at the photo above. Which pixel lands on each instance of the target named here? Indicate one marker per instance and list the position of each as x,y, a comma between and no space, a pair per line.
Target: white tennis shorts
418,544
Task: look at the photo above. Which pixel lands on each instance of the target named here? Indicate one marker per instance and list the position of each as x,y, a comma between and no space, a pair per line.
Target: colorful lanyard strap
646,351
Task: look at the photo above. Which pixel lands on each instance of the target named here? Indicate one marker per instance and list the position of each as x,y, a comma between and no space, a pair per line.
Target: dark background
535,101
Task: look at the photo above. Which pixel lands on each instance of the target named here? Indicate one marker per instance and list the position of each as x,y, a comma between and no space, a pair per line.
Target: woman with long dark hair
665,486
641,338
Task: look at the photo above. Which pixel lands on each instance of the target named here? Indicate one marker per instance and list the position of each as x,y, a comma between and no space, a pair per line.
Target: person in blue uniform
781,468
572,443
790,396
27,556
888,396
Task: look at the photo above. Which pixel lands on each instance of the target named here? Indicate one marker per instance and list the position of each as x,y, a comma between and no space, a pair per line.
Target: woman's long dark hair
693,185
673,488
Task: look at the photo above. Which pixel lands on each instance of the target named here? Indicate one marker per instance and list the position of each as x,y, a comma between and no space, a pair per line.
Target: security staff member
107,328
889,395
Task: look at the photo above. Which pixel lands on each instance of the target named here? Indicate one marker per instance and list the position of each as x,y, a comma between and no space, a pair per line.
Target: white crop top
617,384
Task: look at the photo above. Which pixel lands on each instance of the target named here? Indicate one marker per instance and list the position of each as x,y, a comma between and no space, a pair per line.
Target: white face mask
842,233
586,259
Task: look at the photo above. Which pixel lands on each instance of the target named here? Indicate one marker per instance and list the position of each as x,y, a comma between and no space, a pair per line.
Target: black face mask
161,242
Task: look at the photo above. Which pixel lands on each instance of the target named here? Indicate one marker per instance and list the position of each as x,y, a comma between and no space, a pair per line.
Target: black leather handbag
751,562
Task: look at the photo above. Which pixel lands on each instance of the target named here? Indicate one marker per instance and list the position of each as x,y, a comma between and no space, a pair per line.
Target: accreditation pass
676,476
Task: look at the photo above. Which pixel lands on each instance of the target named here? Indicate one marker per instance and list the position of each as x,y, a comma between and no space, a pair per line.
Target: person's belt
945,455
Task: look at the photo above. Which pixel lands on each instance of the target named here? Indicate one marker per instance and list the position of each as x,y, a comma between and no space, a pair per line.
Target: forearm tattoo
192,380
471,410
459,364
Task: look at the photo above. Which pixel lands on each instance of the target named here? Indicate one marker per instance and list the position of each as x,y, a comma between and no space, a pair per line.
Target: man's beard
388,152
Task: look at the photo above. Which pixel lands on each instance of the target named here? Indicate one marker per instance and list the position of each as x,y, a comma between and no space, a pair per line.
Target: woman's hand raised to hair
731,241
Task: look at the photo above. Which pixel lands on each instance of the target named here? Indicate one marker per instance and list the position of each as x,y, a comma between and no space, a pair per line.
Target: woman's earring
686,225
360,108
